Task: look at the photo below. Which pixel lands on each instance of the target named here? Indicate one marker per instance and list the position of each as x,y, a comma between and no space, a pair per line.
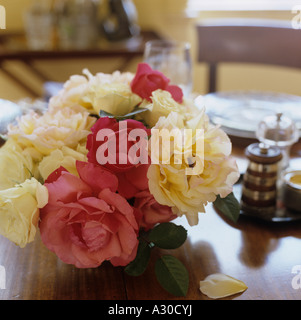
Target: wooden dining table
260,253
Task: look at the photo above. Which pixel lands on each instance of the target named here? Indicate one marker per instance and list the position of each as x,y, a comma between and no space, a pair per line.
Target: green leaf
228,206
30,173
139,264
103,113
131,114
168,235
172,275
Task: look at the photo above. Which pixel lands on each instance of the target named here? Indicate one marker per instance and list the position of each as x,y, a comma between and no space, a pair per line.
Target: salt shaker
281,131
259,193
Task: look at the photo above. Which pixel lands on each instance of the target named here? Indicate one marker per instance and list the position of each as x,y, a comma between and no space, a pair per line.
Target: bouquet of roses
104,171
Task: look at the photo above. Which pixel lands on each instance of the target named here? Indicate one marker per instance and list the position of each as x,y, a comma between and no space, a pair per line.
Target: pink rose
110,145
148,80
150,211
85,221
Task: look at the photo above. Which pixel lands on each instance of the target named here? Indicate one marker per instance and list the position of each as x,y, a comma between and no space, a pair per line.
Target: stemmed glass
172,58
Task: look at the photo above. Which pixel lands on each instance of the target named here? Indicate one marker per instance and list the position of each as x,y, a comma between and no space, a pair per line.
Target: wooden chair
247,41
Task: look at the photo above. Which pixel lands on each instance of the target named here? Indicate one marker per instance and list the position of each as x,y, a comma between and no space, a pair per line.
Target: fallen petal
219,285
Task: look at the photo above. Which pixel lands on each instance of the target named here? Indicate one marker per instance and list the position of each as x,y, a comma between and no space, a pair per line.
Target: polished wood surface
245,41
261,254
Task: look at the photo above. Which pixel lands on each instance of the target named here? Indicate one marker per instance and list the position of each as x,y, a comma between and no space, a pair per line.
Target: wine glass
173,59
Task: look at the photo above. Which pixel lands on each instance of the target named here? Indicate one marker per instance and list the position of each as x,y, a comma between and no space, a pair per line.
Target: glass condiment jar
77,22
291,195
281,131
39,26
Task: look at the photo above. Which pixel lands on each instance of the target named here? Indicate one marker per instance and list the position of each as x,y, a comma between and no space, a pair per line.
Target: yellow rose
15,163
174,140
205,170
115,98
53,130
65,157
162,104
19,211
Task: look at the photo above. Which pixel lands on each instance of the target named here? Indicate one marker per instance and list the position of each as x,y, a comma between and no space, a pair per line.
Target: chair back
247,41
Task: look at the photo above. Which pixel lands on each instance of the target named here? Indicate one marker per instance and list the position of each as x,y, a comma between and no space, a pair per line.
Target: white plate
239,112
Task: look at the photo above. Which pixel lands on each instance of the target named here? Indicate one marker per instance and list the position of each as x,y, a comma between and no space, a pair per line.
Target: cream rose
206,169
53,130
65,157
19,211
15,163
108,92
71,95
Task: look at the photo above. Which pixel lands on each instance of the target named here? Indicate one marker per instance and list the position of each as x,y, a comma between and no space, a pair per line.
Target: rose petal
42,196
120,204
96,176
176,93
55,174
67,188
219,285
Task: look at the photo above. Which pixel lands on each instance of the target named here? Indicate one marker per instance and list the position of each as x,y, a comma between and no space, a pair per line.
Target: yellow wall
14,13
166,17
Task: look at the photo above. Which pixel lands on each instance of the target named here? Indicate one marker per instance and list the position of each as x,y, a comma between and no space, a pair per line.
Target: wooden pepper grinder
259,194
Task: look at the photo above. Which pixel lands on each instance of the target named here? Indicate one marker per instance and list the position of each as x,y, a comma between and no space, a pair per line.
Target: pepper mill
259,193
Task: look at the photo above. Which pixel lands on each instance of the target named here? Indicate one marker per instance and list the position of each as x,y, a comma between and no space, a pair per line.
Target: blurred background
171,19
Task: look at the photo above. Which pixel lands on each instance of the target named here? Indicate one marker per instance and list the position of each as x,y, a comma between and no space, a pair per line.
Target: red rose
112,145
85,221
148,80
133,181
150,211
